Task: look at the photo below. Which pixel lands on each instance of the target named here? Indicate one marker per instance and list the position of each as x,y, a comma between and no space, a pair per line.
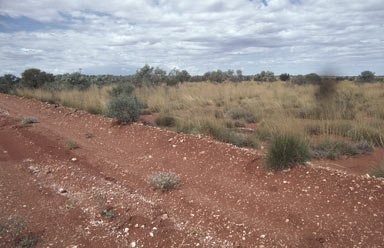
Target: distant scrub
165,121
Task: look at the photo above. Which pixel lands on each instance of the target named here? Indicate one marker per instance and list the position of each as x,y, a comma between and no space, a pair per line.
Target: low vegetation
378,170
71,144
243,110
286,150
164,181
29,120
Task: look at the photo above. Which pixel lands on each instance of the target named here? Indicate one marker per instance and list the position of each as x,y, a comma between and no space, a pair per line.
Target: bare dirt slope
227,199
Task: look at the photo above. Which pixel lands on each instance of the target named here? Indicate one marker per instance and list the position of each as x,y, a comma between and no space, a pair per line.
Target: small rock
154,228
5,152
185,158
126,229
74,159
262,236
151,234
62,190
164,217
137,225
173,146
133,244
149,156
285,182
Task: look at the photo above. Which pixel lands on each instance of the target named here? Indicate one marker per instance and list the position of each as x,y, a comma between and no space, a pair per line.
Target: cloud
118,37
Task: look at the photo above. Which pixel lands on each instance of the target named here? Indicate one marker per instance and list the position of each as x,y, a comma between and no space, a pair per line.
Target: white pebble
133,244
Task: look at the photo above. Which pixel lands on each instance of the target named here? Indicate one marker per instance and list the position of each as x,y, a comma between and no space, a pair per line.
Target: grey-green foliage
285,150
366,76
124,108
265,76
122,89
8,82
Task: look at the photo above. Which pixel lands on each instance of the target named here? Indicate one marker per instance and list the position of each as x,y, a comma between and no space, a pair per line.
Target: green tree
7,82
34,78
366,76
284,77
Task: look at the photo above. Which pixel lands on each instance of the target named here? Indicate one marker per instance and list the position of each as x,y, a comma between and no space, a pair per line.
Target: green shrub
124,108
286,150
312,78
164,181
88,135
263,134
165,121
378,170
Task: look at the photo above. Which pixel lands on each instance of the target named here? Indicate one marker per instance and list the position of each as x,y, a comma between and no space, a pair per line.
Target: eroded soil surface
227,199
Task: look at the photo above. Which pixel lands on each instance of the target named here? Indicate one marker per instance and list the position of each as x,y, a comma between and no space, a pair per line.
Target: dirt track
227,199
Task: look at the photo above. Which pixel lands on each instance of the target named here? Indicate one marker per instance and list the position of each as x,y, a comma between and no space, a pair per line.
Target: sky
340,37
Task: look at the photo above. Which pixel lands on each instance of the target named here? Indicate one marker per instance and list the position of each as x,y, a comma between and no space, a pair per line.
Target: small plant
165,121
108,213
29,120
88,135
164,181
284,77
71,144
14,232
104,210
378,170
124,108
286,150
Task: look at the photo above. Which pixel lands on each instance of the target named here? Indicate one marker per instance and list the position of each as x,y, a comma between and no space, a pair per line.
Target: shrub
332,149
164,181
238,113
284,77
312,78
165,121
239,123
124,108
265,76
34,78
29,120
122,89
378,170
285,150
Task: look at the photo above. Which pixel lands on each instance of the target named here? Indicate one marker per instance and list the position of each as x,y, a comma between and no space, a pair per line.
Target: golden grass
93,100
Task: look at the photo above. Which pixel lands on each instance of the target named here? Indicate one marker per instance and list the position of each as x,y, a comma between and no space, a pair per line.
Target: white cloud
202,35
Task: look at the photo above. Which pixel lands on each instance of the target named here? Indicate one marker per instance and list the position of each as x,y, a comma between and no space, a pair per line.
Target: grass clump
165,121
286,150
164,181
378,170
124,108
71,144
369,134
29,120
14,233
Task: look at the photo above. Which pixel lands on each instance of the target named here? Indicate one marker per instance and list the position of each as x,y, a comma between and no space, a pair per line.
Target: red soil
227,199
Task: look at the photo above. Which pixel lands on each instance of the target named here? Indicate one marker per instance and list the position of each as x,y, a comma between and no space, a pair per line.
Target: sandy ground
226,198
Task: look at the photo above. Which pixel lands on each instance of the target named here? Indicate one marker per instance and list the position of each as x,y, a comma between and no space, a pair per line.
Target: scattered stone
133,244
262,236
62,190
74,159
151,234
126,229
